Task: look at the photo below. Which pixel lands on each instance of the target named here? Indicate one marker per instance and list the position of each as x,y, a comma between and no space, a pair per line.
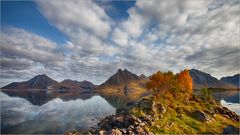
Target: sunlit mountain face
89,40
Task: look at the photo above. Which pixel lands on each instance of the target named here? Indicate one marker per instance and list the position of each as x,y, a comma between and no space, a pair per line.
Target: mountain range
45,82
205,80
233,80
122,78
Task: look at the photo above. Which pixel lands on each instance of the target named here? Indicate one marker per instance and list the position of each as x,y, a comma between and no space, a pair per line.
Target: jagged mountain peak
44,76
40,82
123,71
121,77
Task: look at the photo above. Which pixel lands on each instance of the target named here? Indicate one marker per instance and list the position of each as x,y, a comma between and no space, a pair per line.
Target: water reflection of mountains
40,97
55,116
228,96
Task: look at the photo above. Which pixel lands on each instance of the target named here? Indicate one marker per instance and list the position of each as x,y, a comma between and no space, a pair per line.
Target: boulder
201,116
121,111
227,113
120,118
123,130
210,111
230,129
148,119
162,109
196,98
116,132
140,130
142,124
150,106
145,104
101,132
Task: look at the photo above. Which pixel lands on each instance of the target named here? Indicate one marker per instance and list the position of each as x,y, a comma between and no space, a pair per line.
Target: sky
90,40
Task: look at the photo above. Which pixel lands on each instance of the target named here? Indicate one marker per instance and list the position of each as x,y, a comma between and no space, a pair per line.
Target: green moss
137,112
178,120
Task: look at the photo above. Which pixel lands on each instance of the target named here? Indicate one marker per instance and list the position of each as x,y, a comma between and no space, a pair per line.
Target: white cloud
157,35
22,52
18,43
182,30
134,25
120,37
84,22
75,16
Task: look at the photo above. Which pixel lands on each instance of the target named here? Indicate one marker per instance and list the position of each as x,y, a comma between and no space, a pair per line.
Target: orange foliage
160,82
168,82
184,81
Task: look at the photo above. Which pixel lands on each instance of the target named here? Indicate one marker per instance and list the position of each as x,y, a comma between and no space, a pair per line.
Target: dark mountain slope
205,80
232,80
37,82
77,85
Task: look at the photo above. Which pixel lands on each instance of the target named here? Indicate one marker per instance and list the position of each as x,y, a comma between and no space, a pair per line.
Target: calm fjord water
56,116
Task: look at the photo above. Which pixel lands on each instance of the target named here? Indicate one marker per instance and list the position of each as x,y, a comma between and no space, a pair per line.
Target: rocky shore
125,121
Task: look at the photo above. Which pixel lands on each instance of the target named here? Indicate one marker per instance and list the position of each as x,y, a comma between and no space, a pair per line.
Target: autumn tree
161,82
168,83
184,82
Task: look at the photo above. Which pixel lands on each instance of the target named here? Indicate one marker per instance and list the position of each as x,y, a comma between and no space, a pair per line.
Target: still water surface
231,106
56,116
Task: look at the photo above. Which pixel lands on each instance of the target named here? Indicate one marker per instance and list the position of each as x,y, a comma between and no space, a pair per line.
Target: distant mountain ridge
205,80
37,82
142,76
78,85
45,82
232,80
122,78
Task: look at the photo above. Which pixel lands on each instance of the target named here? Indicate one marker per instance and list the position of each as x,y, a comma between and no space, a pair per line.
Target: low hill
76,85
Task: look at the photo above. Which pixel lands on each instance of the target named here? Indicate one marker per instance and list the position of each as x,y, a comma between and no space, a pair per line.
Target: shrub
206,93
